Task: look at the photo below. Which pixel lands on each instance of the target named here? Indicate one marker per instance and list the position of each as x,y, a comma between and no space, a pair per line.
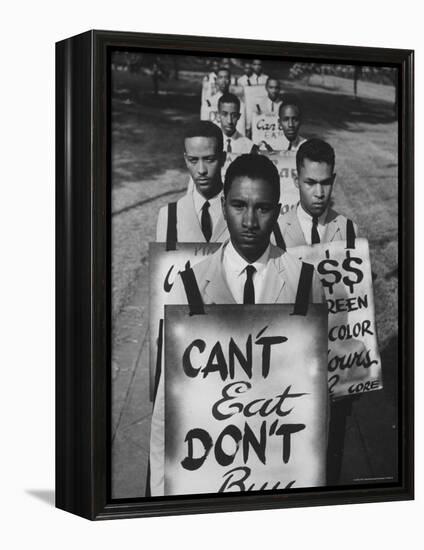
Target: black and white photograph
254,274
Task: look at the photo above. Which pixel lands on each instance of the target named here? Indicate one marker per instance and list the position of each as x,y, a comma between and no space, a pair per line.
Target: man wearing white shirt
313,221
228,116
209,110
270,105
197,216
246,269
246,79
258,77
290,119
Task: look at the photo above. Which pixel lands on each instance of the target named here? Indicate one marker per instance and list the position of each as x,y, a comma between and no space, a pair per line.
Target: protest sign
245,398
286,166
354,363
164,266
253,95
266,127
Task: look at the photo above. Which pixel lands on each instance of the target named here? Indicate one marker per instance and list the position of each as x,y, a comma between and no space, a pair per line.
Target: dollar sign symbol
323,270
348,267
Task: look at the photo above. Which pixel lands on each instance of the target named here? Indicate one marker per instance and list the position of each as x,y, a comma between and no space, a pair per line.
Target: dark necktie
272,106
229,149
248,82
249,289
206,222
314,233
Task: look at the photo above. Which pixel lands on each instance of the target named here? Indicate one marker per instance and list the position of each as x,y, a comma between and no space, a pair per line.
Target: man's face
257,66
248,69
204,163
225,63
315,182
223,80
290,121
228,114
215,66
251,211
273,89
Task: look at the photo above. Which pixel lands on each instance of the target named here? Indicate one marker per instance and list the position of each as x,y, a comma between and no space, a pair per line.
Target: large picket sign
354,364
286,166
266,127
164,266
245,398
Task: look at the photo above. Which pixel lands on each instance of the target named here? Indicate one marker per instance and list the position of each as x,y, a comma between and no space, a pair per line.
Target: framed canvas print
234,274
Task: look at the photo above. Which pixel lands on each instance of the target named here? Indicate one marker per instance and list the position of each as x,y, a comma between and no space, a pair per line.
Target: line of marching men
241,210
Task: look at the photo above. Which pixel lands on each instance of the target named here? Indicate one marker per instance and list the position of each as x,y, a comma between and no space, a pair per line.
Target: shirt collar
237,264
235,136
199,200
305,217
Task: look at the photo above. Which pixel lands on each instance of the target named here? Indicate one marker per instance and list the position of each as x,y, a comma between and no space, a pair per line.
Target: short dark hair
229,98
290,99
272,78
316,150
205,128
253,166
220,68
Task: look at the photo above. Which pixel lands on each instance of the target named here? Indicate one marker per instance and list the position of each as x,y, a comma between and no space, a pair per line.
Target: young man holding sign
313,220
228,116
209,110
290,119
258,77
197,216
270,105
247,78
246,269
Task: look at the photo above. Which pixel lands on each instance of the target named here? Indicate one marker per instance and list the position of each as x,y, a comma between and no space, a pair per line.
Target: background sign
286,166
354,364
266,127
245,398
163,268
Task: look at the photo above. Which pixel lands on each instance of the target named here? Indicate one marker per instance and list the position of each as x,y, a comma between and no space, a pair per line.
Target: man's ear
185,159
223,207
277,211
296,180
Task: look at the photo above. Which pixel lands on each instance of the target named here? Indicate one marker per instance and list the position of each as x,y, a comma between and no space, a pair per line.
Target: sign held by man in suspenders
286,166
165,262
245,398
354,363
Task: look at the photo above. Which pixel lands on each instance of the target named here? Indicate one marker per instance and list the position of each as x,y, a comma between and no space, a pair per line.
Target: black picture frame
83,276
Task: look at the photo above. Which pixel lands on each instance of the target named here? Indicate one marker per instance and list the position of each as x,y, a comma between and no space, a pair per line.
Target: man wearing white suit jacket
313,221
246,269
197,216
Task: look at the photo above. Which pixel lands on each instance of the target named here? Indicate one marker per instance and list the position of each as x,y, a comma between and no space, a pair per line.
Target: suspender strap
191,287
158,359
279,239
171,230
303,289
350,234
